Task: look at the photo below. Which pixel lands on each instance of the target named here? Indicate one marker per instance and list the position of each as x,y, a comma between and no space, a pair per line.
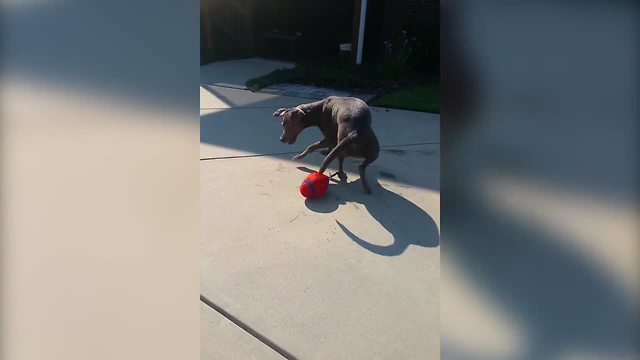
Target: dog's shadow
405,221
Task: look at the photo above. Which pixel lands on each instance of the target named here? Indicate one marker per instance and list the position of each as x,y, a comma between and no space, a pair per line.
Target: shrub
426,57
395,63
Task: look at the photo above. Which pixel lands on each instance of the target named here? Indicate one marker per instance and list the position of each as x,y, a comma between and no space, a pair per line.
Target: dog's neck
311,119
314,114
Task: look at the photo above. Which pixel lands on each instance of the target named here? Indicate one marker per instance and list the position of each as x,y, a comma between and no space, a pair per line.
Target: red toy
315,185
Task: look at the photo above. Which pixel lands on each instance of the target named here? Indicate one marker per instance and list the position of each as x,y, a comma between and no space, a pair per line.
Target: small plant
395,64
426,58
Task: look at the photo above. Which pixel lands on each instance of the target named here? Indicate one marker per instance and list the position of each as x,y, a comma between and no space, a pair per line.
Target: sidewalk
348,276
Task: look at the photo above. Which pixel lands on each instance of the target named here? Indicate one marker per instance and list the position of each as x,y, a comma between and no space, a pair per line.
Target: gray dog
345,123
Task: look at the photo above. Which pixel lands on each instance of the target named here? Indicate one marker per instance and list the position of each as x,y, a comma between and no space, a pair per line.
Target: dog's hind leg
363,176
341,174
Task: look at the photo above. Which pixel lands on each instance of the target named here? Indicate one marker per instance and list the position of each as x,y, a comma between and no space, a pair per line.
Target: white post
363,16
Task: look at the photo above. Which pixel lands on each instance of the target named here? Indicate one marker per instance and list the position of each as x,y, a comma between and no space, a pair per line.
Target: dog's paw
298,157
342,176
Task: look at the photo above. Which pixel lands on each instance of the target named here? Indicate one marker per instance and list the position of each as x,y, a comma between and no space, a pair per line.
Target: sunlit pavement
343,277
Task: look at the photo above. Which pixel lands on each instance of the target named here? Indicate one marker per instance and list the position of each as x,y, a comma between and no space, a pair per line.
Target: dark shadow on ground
405,221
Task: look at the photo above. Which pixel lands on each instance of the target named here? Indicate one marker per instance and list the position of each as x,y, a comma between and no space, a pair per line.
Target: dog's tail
332,155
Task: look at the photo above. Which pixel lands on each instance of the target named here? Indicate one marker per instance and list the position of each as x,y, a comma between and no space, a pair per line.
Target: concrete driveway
348,276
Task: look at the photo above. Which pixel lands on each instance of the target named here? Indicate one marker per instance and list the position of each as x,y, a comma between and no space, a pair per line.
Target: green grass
422,98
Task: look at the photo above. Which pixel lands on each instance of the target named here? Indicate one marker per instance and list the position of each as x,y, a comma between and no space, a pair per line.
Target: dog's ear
299,111
280,112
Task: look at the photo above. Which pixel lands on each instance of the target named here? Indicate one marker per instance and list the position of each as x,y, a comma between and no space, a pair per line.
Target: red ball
315,185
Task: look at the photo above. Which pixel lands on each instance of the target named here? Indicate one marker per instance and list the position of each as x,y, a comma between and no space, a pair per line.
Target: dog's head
292,123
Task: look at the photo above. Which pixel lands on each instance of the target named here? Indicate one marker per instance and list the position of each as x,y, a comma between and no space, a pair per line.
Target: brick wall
401,13
226,29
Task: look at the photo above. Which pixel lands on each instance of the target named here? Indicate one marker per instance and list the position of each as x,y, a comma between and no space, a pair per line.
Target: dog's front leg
311,148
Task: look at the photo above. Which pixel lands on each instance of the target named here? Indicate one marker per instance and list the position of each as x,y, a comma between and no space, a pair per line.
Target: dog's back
350,112
355,136
352,116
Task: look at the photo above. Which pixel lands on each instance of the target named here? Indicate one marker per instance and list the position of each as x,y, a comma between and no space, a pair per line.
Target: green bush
332,75
395,61
426,57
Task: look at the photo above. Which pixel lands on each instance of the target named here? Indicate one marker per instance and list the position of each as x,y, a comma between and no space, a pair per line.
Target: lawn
422,98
